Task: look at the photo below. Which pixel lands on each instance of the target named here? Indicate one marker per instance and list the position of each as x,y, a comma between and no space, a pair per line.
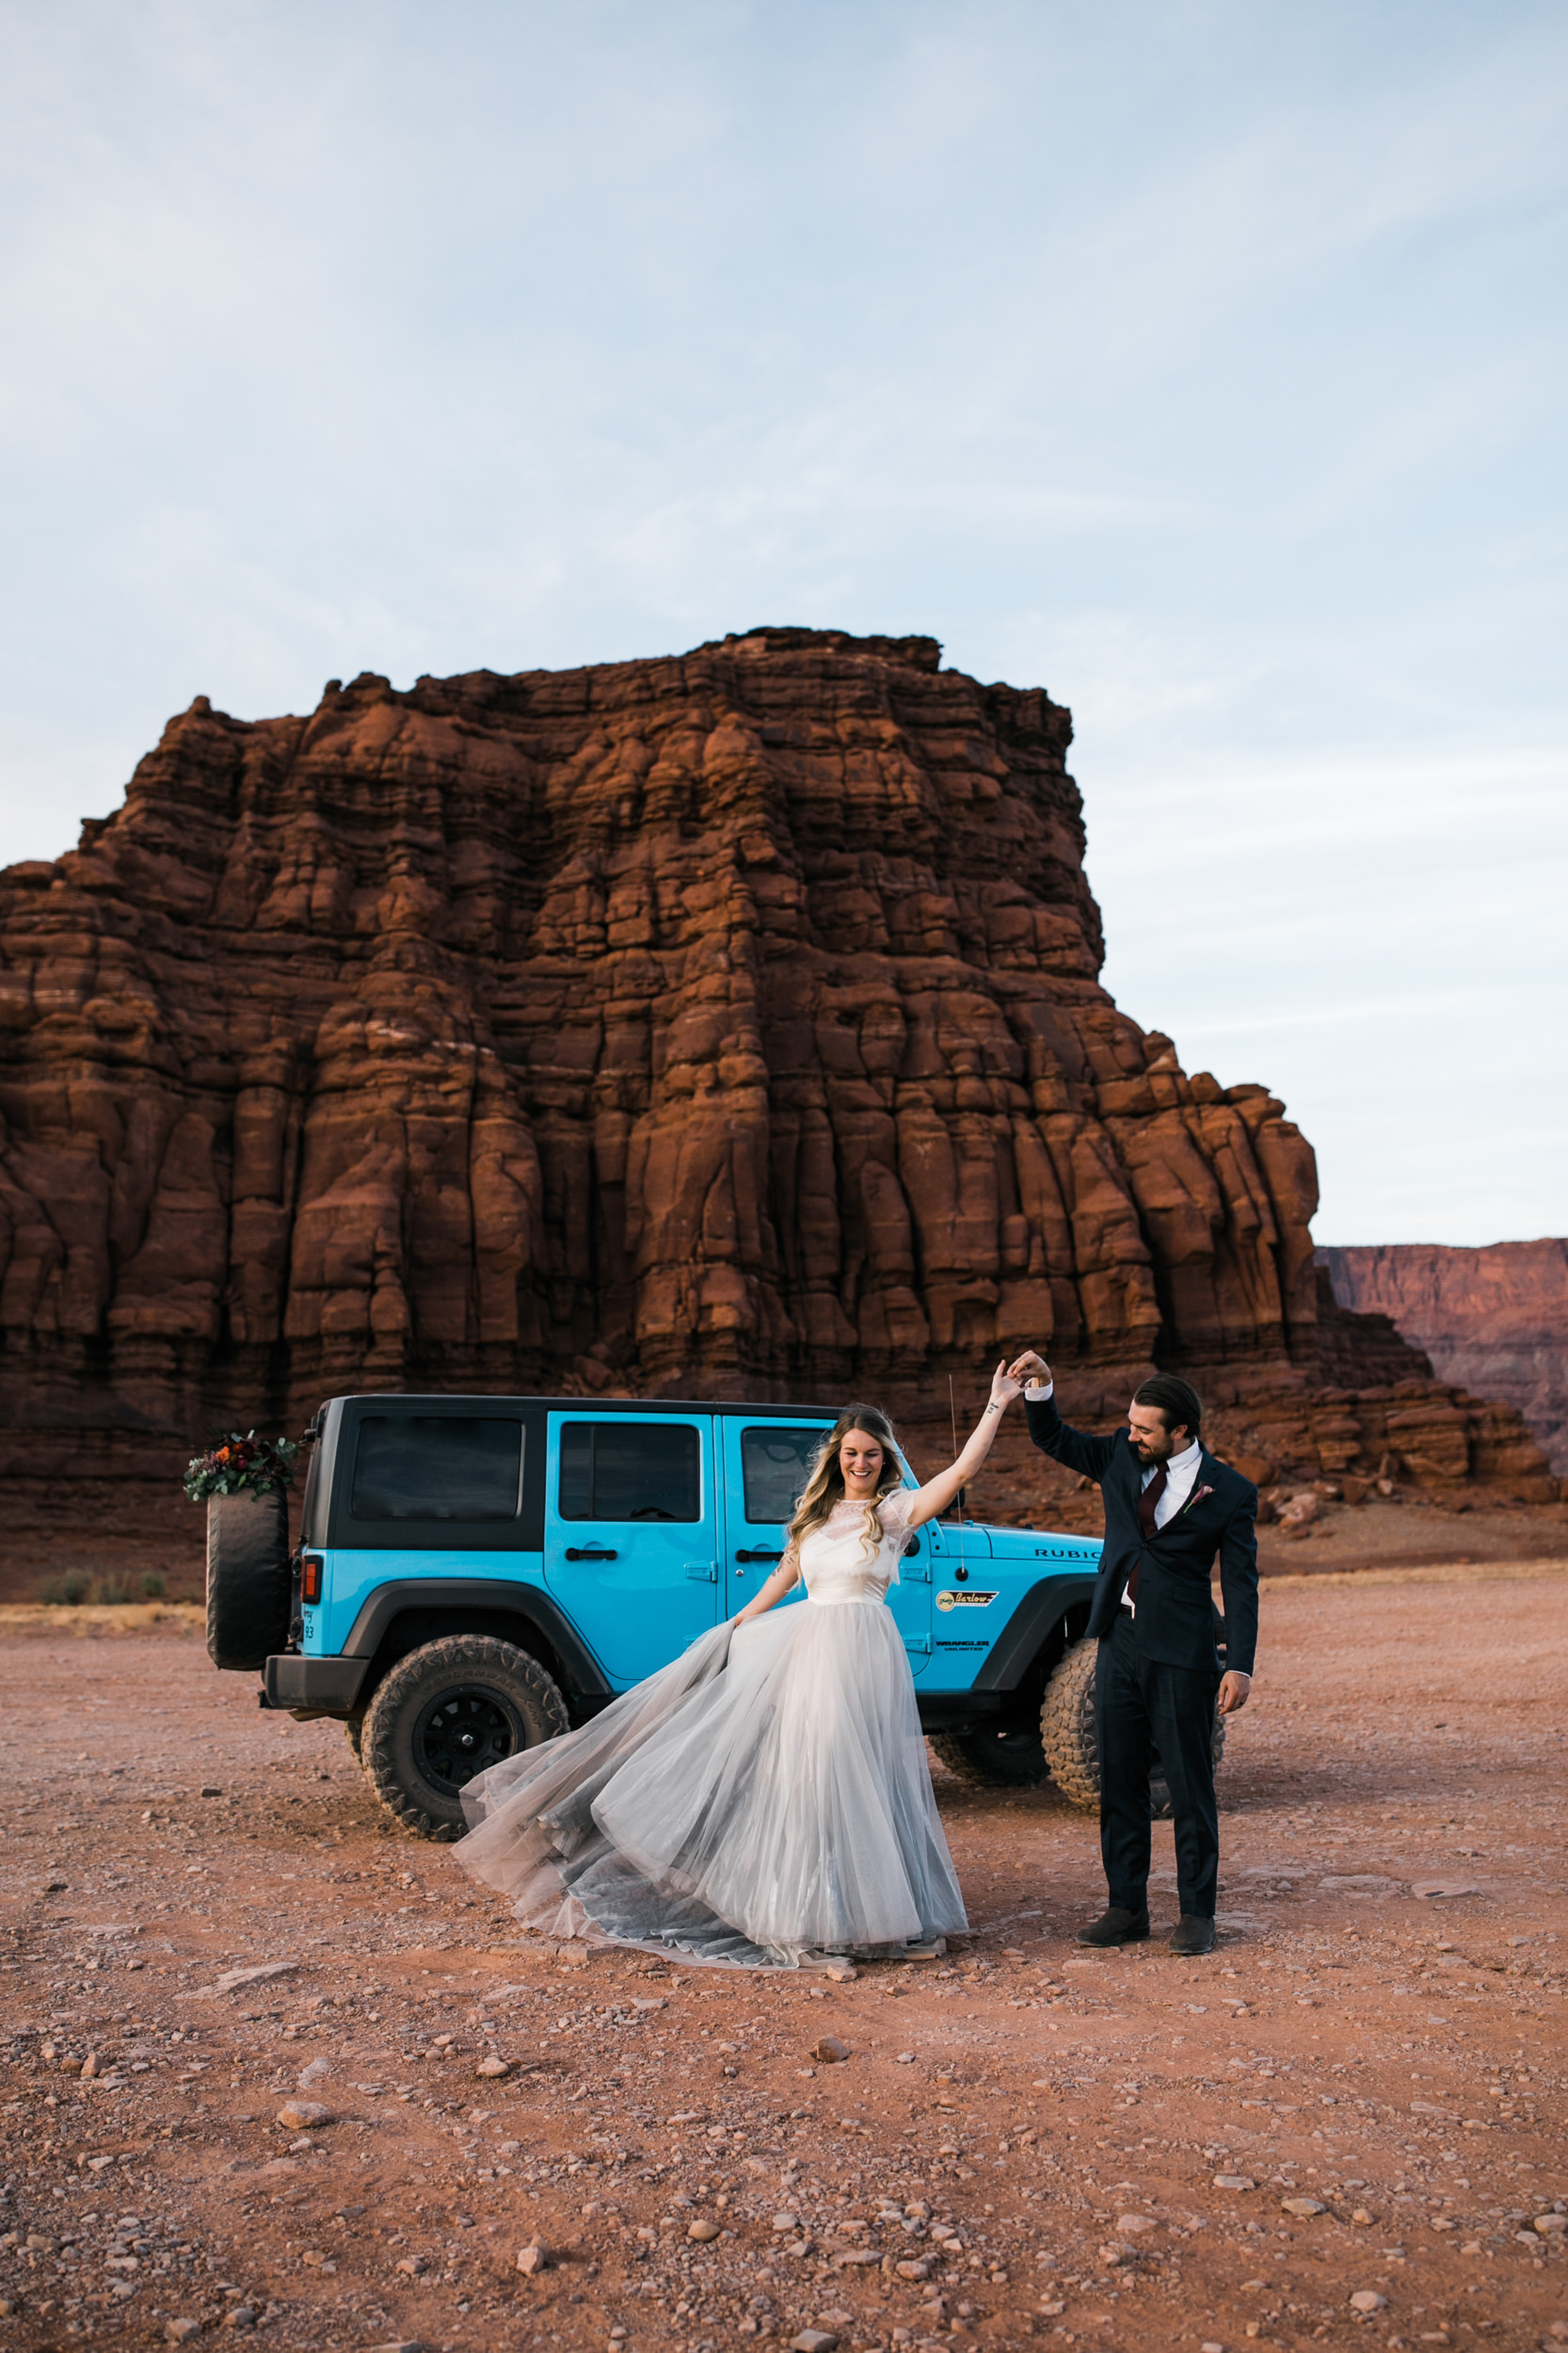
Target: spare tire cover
247,1578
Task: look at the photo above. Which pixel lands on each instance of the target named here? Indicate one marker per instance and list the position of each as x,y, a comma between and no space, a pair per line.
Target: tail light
310,1577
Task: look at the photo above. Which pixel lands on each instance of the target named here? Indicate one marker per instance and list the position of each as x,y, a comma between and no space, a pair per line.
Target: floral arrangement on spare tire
243,1480
240,1464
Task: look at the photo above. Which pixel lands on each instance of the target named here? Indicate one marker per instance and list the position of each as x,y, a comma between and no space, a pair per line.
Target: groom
1170,1506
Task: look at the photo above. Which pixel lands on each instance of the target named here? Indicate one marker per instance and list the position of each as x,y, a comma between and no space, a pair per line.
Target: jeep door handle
758,1555
705,1572
590,1552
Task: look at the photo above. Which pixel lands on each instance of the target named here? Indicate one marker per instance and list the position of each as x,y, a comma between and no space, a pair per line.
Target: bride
765,1796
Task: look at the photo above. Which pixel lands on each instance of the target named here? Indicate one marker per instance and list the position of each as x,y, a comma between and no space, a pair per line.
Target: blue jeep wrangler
476,1574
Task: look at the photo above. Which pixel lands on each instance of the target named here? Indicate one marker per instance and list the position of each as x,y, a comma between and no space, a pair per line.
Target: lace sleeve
894,1510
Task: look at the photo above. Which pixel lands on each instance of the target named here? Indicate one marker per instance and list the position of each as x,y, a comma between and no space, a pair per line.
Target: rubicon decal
965,1601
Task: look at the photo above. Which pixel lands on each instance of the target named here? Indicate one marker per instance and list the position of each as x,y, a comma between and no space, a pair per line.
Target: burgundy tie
1147,1502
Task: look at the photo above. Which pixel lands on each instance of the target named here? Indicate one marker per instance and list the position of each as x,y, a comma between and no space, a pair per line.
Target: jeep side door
766,1466
631,1533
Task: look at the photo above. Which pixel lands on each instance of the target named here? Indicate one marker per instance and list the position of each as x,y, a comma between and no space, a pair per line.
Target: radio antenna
952,1409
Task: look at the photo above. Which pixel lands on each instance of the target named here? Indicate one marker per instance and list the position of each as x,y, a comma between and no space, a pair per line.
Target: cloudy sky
1201,360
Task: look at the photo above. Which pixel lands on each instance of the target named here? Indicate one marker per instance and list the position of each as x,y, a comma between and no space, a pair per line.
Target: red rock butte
729,1023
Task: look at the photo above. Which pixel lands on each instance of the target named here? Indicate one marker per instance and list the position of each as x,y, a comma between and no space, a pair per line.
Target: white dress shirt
1180,1471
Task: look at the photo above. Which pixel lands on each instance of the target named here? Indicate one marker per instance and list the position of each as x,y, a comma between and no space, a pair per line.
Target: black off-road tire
1070,1737
446,1713
1067,1731
1009,1757
247,1578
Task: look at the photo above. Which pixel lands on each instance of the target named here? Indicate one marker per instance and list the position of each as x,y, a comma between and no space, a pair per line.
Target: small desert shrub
69,1590
121,1587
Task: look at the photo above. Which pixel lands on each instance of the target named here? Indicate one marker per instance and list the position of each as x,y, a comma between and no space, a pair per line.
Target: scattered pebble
1368,2300
831,2051
298,2115
262,1974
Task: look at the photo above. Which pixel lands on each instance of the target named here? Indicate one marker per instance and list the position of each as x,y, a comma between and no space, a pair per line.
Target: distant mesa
729,1023
1494,1320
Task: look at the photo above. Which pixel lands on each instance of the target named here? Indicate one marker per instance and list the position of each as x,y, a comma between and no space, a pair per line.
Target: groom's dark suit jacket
1175,1615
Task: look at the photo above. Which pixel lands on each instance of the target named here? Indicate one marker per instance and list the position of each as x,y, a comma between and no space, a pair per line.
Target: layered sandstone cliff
1494,1320
728,1023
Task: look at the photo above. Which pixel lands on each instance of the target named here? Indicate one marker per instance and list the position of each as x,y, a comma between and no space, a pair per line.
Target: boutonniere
1196,1496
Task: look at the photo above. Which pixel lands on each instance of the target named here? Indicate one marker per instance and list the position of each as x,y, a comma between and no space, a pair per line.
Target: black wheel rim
463,1733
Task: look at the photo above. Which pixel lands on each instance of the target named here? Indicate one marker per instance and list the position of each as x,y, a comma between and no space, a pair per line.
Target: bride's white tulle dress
764,1797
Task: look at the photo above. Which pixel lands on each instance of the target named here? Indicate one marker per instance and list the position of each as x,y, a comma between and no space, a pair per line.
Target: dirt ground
1346,2127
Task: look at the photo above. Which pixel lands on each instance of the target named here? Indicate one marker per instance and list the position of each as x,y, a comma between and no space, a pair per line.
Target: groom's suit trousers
1143,1705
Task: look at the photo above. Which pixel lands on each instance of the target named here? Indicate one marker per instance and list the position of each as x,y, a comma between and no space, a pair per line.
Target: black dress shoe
1192,1934
1115,1927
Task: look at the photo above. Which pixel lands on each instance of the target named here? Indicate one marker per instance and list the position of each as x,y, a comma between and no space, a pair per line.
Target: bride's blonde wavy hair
826,1485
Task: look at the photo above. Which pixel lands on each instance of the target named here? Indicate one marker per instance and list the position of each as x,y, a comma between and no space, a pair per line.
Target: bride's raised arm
931,1499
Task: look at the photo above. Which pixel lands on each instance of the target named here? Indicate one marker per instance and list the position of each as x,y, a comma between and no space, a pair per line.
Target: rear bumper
313,1686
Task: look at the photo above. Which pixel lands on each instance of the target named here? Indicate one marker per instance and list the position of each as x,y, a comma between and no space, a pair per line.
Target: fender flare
501,1597
1019,1644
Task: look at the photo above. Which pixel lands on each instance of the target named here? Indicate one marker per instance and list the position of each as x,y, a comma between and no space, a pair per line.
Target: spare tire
247,1578
1070,1736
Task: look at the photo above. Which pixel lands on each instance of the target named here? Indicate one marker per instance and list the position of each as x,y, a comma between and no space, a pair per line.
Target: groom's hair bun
1174,1399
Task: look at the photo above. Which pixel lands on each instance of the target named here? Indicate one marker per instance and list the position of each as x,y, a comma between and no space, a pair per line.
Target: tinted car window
437,1466
618,1470
775,1466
